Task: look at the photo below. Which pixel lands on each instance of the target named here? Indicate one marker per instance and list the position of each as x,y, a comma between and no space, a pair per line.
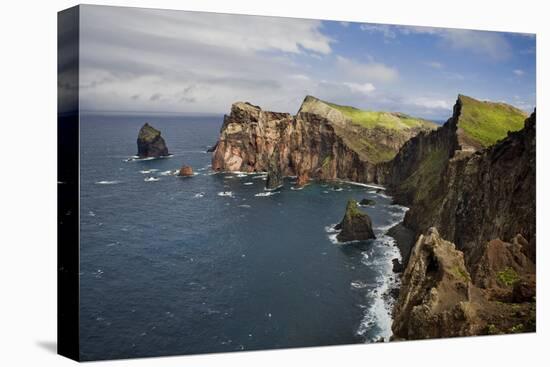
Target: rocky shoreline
468,240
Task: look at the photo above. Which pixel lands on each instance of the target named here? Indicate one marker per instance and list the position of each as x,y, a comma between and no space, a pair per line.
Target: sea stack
356,225
150,143
274,174
185,171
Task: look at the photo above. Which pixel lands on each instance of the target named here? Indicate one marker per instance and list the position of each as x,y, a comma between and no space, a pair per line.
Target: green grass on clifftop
388,120
489,122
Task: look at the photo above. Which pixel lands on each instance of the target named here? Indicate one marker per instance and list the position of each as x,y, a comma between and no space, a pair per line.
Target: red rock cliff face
319,142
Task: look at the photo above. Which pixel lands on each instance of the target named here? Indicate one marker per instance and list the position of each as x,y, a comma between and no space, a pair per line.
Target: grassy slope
426,177
388,120
489,122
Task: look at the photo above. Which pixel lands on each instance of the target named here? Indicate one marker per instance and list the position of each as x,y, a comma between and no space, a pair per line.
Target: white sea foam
268,193
244,206
377,316
242,175
151,179
297,188
248,183
107,182
364,185
169,173
199,195
259,177
226,193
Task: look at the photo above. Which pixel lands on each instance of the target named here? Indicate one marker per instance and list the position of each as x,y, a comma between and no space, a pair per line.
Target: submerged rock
356,225
397,267
150,143
185,171
367,202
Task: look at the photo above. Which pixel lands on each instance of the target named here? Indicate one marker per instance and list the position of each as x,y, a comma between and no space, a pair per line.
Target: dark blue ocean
172,265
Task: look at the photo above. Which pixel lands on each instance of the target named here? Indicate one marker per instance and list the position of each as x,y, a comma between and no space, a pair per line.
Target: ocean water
212,263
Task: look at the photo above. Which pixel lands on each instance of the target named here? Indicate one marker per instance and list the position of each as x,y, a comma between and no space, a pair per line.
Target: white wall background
28,182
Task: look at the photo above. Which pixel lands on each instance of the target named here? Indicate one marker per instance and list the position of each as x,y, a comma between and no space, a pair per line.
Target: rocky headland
322,141
468,240
481,198
150,144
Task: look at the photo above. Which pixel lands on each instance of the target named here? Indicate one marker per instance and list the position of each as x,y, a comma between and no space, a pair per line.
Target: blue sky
193,62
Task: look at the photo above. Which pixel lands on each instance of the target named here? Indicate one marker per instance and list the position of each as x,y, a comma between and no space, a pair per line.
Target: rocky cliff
481,198
323,141
470,193
439,296
150,143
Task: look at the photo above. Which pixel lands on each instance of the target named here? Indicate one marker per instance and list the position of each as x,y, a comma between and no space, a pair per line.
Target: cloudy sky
174,61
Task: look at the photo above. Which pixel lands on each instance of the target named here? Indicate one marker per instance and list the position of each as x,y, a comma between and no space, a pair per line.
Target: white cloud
387,30
492,44
159,60
366,72
364,88
518,72
430,103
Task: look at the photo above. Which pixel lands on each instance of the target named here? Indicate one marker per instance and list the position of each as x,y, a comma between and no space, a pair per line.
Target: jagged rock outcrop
150,143
185,171
274,173
472,196
436,293
478,188
248,138
439,298
320,142
355,226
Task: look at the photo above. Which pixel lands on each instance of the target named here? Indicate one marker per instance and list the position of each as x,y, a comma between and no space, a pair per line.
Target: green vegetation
352,209
508,276
426,177
493,330
388,120
516,328
488,122
461,273
326,161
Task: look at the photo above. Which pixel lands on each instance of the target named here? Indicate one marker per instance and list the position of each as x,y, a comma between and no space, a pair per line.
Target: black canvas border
68,185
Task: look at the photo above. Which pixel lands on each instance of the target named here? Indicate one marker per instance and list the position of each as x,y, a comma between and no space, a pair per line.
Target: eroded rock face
150,143
274,173
356,225
302,179
483,201
470,195
318,143
185,171
435,297
440,298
